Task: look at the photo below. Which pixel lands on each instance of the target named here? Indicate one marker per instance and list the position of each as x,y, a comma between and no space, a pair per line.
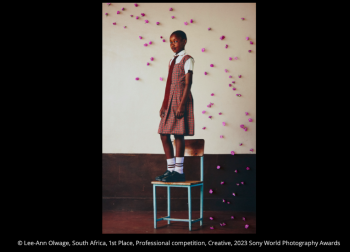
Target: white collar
183,52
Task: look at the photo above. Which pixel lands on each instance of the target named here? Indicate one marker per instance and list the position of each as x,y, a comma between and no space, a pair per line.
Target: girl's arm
188,82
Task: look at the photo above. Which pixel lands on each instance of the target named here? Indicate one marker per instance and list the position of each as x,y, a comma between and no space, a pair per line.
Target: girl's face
176,43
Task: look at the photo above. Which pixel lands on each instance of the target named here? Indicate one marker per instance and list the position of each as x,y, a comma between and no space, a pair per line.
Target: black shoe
174,177
166,173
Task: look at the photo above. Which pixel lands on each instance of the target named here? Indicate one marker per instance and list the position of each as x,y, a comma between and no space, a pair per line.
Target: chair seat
189,182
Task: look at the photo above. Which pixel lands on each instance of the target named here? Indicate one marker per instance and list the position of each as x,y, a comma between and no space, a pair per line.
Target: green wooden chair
193,147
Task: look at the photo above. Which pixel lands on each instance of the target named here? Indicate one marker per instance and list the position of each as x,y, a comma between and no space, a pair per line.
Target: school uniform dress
169,124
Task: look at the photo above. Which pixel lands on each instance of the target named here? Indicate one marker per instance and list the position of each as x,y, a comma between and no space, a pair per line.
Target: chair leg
169,203
189,209
201,205
154,206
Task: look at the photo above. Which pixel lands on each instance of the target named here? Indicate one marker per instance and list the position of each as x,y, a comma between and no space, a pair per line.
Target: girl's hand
180,111
161,112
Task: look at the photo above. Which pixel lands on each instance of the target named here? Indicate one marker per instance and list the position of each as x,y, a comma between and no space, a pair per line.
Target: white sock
171,164
179,165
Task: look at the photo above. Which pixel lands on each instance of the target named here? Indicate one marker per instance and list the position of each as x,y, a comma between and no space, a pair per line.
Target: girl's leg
180,151
167,145
180,145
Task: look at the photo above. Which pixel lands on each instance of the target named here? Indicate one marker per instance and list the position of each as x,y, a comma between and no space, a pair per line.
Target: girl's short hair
180,34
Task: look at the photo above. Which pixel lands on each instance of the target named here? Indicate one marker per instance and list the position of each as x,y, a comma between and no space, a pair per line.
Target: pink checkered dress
169,124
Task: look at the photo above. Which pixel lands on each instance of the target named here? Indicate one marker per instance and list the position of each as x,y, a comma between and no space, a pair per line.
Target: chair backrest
193,147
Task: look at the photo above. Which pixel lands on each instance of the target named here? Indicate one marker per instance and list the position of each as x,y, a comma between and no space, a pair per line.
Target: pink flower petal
211,227
226,70
232,153
106,13
249,50
211,103
223,123
233,88
108,4
191,20
248,168
209,29
114,23
157,23
123,8
242,18
233,194
246,113
163,40
211,218
161,78
242,125
172,16
221,136
170,9
124,27
150,43
232,217
233,82
211,65
186,23
146,21
131,15
251,42
203,49
220,113
230,85
228,202
230,76
209,116
137,78
235,171
161,37
136,5
145,44
251,149
222,182
210,191
237,184
245,128
212,94
238,95
236,58
246,226
240,144
147,63
140,37
152,58
223,201
137,17
143,14
226,46
203,128
220,224
250,119
203,111
205,73
218,167
243,218
239,76
230,58
118,12
247,38
222,37
242,183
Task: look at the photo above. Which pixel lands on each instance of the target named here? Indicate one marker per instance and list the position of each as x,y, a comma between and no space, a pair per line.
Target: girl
177,110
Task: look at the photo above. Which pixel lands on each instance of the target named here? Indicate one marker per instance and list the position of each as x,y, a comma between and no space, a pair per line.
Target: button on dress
169,124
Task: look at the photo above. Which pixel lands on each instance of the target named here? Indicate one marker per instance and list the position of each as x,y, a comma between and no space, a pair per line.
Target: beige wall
131,108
